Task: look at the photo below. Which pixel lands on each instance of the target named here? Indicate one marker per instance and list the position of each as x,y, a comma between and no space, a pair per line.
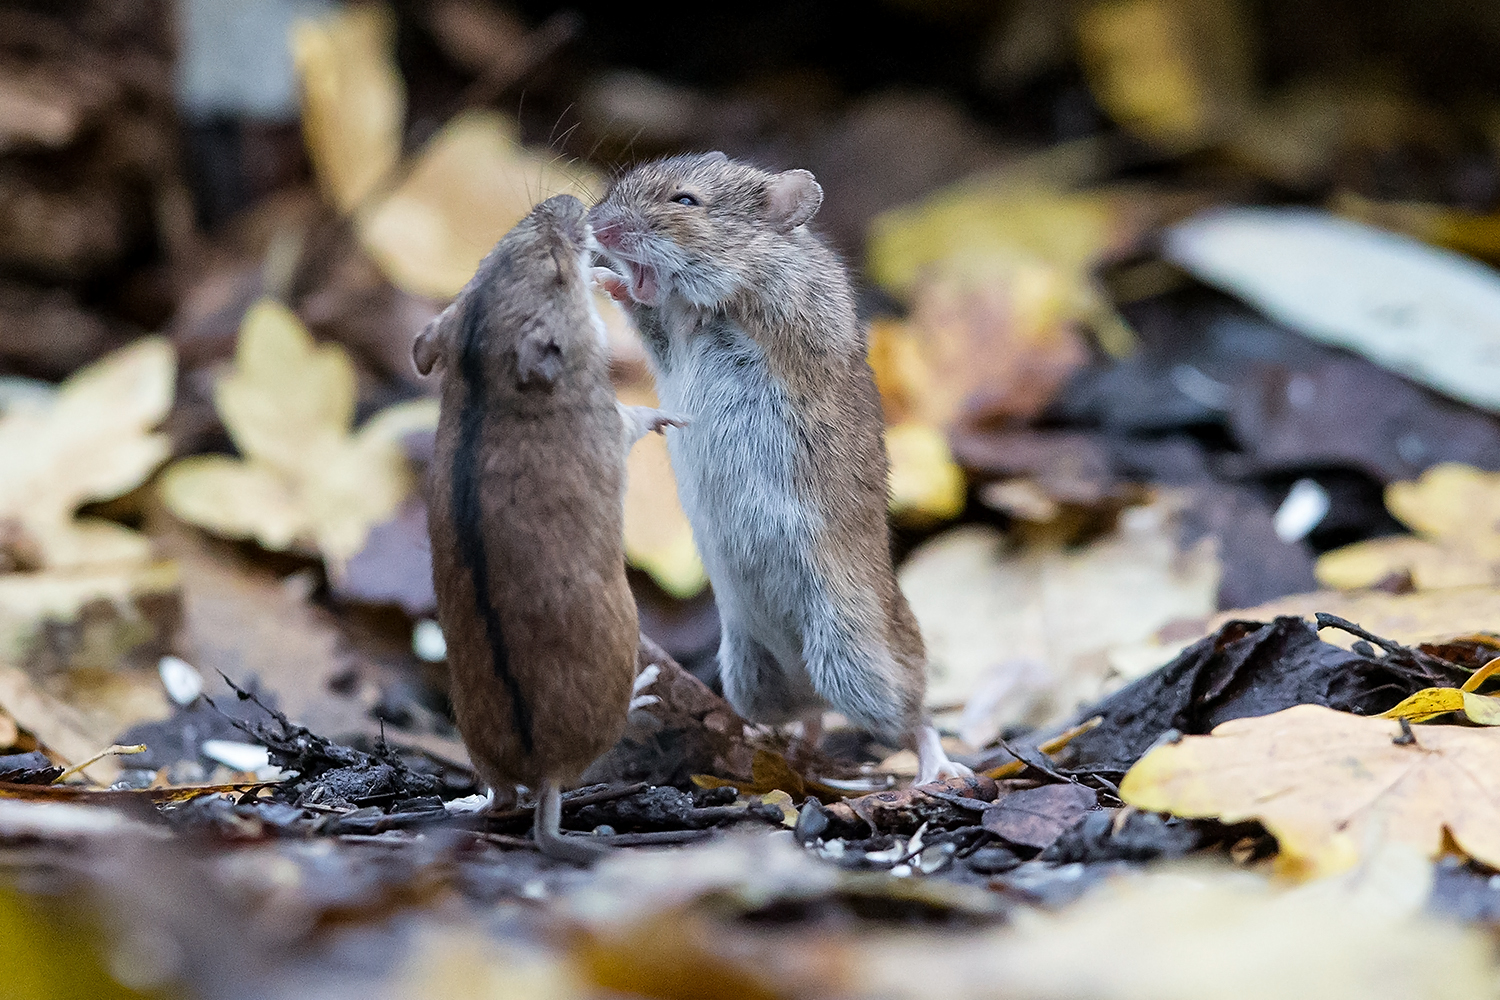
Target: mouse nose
608,229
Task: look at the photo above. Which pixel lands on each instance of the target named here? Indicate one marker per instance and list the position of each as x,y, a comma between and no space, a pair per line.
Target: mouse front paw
660,420
611,284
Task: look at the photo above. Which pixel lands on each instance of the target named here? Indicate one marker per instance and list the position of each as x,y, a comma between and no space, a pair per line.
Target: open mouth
643,284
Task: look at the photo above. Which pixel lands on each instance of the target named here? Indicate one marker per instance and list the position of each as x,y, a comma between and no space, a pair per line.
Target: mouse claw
642,420
643,680
660,420
611,284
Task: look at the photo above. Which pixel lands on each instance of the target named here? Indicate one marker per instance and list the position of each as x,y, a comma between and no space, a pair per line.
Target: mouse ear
792,198
427,349
539,360
717,156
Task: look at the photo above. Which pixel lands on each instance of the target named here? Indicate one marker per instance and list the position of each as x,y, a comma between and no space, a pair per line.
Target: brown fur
548,468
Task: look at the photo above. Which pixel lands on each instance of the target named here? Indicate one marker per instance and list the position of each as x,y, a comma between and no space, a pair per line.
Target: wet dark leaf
1035,817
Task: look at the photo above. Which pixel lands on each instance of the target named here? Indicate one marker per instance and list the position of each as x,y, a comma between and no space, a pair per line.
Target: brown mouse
525,516
749,318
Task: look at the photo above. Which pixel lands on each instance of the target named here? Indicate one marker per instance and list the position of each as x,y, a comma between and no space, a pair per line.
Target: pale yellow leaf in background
658,538
1200,932
353,101
92,441
999,266
926,485
305,482
1455,511
28,600
471,184
1024,635
1328,783
1175,72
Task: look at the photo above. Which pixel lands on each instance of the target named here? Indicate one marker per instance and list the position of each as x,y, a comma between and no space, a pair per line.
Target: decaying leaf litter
1138,410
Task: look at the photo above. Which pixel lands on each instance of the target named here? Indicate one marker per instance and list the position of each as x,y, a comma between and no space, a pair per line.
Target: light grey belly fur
734,465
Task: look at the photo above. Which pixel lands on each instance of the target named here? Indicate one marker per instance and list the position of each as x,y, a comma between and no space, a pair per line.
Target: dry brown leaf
64,729
307,482
1455,511
353,101
470,185
91,441
1410,619
1329,784
1175,72
242,620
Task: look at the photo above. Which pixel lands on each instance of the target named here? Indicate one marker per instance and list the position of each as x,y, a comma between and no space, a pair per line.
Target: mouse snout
609,228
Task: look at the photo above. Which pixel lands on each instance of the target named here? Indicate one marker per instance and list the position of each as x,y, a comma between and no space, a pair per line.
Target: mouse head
527,316
702,226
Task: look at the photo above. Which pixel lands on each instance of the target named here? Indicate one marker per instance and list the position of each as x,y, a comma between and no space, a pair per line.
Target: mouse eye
683,198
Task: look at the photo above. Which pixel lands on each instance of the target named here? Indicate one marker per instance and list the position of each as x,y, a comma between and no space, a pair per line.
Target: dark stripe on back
466,507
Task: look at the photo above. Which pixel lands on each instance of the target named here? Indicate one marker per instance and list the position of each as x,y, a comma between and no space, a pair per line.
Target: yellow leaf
926,485
1175,72
91,442
1455,511
470,185
305,482
353,101
1027,635
1432,565
1429,703
658,538
1327,783
999,274
1451,501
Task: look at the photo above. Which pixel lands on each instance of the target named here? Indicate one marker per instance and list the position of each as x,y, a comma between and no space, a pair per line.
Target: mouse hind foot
547,830
933,763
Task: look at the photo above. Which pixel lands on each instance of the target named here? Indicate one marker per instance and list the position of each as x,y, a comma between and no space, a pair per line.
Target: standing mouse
749,320
525,516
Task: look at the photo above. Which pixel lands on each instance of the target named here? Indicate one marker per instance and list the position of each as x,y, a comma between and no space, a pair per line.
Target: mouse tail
550,839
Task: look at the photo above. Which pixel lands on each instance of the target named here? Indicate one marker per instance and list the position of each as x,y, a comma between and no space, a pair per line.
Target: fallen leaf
141,597
1429,703
395,565
925,484
1035,817
658,537
998,276
240,619
1426,313
1301,134
91,441
1457,229
62,728
1325,782
1176,73
1249,668
1192,932
353,101
1023,636
770,772
468,187
306,482
1455,511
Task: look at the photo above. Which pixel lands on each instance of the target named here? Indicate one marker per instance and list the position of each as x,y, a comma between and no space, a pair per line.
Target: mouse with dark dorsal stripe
525,515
